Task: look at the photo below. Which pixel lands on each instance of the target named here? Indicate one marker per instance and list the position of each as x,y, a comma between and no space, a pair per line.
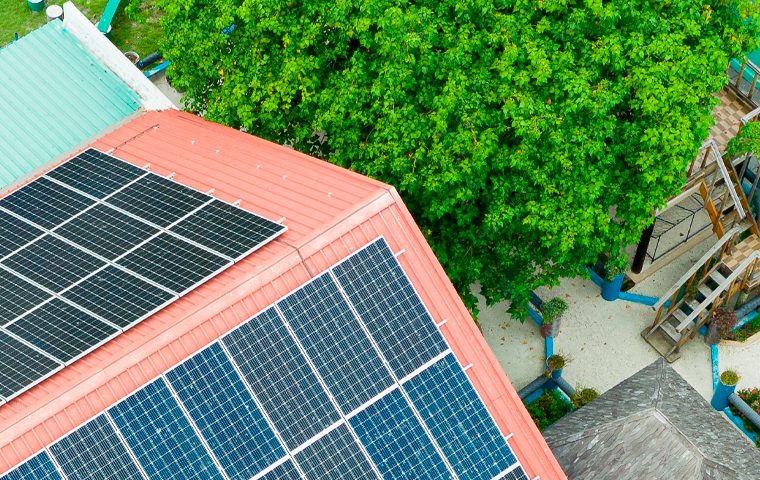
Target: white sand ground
602,339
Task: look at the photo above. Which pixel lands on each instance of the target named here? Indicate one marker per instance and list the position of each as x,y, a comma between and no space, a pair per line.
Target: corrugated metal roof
54,95
330,212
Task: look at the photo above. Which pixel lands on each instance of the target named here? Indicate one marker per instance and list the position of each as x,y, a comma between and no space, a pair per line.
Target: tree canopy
527,137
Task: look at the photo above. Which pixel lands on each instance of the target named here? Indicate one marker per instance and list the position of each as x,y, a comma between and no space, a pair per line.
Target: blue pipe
564,386
714,362
747,318
639,298
549,347
739,422
537,318
595,277
530,388
747,411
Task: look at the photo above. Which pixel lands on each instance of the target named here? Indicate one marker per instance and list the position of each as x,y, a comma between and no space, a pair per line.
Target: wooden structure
730,266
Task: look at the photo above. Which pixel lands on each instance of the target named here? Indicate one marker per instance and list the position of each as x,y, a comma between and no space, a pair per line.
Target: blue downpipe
595,277
535,316
564,386
739,422
747,318
714,362
532,387
720,396
638,298
549,347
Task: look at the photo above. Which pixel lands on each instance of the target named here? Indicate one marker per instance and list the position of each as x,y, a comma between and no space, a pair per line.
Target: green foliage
584,396
553,309
752,397
746,141
729,377
527,138
548,408
747,330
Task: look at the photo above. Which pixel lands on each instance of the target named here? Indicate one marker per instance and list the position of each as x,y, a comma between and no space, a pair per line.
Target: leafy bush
729,377
548,408
584,396
553,309
752,397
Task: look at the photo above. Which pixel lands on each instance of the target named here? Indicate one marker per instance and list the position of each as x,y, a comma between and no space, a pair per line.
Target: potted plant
721,326
554,366
725,387
552,311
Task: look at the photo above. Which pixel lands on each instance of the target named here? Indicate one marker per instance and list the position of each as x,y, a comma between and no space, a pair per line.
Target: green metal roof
54,96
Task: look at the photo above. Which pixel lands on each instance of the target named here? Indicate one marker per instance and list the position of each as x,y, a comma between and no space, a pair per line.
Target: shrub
752,397
725,321
584,396
553,309
729,377
548,408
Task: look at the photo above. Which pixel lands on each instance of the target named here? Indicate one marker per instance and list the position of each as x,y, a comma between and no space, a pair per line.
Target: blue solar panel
45,203
94,451
161,437
225,413
516,474
96,173
285,471
459,421
391,309
36,468
397,442
15,233
334,340
336,455
281,379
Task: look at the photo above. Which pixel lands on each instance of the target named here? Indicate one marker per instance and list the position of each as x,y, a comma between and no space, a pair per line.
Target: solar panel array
321,385
95,246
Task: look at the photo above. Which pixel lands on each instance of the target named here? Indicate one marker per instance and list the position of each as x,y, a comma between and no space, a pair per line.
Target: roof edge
98,45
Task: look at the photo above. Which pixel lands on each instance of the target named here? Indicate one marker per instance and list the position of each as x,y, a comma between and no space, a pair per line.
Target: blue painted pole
595,277
714,361
549,347
537,318
638,298
611,289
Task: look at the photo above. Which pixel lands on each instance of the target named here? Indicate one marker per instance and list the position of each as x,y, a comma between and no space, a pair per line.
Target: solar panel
61,234
516,474
15,233
225,413
61,330
45,203
118,296
158,200
397,442
20,365
17,296
458,420
285,471
106,231
161,437
173,263
53,263
333,338
336,455
96,173
38,467
95,451
273,366
387,303
228,230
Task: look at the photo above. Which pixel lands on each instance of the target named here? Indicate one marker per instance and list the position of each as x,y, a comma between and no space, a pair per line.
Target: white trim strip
372,400
271,467
425,366
318,436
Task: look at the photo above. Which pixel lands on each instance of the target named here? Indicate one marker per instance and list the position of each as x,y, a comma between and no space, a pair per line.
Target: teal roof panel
55,95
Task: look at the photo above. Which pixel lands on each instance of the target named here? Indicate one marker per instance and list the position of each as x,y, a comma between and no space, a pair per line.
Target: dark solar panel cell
117,296
284,471
173,263
17,296
45,203
95,451
106,231
96,173
336,455
158,200
61,330
36,468
335,341
20,365
281,378
53,263
15,233
228,230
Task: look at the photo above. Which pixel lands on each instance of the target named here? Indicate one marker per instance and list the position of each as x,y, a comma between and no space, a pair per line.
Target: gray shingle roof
653,425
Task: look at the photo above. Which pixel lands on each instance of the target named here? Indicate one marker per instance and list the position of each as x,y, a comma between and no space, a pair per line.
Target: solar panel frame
159,260
207,377
154,406
336,455
20,232
189,227
37,203
67,339
98,294
38,467
284,471
322,321
14,303
113,459
106,170
53,263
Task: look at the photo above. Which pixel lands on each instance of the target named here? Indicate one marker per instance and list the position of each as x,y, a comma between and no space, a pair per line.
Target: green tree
526,137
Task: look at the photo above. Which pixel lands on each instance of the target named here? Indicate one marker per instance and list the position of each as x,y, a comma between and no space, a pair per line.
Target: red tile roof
330,212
